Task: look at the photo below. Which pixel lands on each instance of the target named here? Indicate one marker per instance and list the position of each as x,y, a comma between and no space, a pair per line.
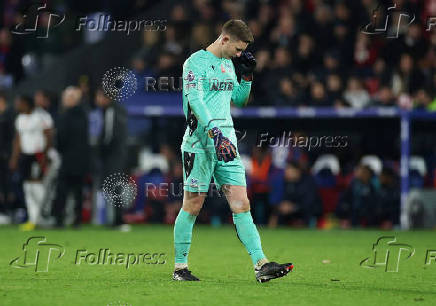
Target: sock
260,263
182,238
249,236
34,194
31,214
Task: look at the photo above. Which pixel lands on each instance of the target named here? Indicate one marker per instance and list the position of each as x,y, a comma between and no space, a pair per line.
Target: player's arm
246,64
48,134
194,74
241,93
48,131
13,163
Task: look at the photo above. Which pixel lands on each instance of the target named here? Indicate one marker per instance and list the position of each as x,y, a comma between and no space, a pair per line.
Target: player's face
232,47
20,106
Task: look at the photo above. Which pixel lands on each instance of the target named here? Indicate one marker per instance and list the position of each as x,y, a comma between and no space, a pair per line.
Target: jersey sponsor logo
216,85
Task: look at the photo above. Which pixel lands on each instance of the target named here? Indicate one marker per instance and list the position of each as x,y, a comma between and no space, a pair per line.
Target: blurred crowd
309,53
312,53
50,153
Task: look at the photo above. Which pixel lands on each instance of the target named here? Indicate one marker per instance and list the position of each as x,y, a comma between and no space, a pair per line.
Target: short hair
239,30
27,100
293,164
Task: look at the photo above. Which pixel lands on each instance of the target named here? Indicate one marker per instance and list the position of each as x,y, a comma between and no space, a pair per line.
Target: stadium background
317,75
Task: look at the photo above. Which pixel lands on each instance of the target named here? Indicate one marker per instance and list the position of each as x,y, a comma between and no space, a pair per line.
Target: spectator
73,146
175,193
300,203
422,99
6,136
388,208
112,143
306,56
288,94
334,87
260,88
259,185
357,203
32,141
355,94
406,78
10,59
384,97
44,102
318,96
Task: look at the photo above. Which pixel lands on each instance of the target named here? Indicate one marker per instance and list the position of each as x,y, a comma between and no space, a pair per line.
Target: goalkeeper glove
224,148
246,64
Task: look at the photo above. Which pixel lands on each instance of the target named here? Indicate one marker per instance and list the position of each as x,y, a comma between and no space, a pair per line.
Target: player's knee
239,206
193,206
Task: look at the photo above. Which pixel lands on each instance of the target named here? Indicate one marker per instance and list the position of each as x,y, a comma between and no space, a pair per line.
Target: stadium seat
418,163
373,162
326,161
418,171
148,161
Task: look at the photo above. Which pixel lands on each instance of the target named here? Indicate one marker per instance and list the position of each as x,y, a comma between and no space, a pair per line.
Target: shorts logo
194,183
188,162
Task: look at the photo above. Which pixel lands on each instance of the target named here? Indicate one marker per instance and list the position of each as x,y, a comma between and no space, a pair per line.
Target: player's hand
224,148
246,64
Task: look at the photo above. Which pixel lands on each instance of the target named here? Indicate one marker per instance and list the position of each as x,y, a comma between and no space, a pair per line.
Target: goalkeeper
209,146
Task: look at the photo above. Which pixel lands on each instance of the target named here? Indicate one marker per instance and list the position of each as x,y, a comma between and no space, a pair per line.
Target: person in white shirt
33,138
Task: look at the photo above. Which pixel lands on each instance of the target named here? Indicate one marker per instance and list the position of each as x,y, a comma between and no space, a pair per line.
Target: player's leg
196,177
249,236
231,176
33,188
192,204
245,228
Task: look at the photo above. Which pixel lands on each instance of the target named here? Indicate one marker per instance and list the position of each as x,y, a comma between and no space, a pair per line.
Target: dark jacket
73,141
6,134
358,202
113,139
304,195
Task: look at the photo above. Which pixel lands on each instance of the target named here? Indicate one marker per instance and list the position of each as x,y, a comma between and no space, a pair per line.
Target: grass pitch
327,269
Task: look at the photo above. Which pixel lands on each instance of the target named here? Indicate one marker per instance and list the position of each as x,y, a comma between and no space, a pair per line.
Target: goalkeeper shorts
199,168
